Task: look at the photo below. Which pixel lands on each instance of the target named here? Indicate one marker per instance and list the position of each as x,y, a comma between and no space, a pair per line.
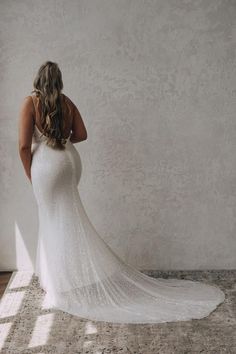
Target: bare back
67,110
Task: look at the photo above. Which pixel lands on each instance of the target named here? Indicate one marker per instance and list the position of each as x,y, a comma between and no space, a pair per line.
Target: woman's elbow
77,139
83,135
23,147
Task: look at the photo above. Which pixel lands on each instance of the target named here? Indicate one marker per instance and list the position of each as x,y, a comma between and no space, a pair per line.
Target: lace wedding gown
80,273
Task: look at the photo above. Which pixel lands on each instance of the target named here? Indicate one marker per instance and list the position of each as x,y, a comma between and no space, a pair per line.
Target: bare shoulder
27,103
27,100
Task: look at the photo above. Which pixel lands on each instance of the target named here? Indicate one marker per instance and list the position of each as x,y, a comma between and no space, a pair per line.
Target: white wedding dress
80,273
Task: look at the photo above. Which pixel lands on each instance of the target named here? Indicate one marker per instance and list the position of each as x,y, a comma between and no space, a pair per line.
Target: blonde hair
47,87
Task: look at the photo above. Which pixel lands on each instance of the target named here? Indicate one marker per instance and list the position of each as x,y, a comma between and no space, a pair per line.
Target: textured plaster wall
155,82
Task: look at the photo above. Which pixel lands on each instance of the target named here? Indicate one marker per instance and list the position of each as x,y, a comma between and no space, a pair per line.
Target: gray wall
155,84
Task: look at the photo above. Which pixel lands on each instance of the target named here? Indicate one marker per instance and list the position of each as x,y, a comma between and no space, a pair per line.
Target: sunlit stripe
21,278
41,330
10,303
4,331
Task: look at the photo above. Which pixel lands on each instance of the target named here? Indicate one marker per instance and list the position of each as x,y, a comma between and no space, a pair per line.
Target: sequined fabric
80,273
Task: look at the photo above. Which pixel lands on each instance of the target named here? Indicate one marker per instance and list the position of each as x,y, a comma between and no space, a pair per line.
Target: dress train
80,273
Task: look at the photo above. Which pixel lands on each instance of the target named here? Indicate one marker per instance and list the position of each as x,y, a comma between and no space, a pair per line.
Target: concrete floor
26,326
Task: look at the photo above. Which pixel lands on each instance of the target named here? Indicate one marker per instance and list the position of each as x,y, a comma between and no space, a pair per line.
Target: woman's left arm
26,126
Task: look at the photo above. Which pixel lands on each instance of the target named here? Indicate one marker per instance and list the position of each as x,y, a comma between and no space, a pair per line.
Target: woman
78,271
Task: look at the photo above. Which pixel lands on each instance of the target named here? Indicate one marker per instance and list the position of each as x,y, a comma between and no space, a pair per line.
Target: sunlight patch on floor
4,331
11,303
41,330
21,279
